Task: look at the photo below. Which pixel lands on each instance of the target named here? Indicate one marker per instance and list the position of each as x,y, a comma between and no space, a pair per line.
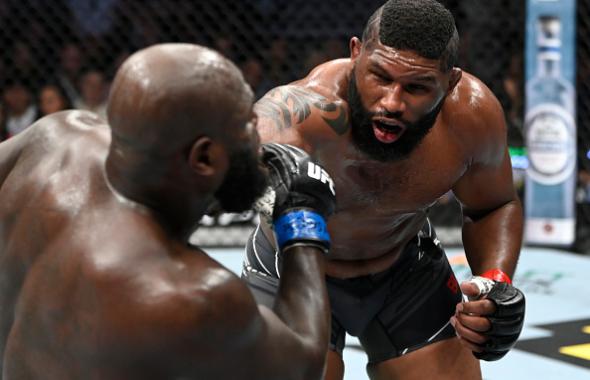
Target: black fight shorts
392,313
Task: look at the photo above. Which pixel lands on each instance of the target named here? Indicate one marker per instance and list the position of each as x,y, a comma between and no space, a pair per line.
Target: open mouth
387,131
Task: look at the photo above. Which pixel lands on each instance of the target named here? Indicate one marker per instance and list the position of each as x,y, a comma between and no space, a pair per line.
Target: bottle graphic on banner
550,134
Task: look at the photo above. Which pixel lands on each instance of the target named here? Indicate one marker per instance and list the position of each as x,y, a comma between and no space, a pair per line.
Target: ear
208,158
355,46
454,78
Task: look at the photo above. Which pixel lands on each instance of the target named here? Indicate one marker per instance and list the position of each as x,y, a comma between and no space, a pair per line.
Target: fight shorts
394,312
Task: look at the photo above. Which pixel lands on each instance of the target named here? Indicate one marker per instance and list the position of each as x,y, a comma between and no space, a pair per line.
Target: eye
416,88
380,77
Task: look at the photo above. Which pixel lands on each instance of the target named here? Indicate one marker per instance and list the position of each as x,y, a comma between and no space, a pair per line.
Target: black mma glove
508,319
304,196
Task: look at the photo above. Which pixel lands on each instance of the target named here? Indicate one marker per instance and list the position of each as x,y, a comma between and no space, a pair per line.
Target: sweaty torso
381,206
87,287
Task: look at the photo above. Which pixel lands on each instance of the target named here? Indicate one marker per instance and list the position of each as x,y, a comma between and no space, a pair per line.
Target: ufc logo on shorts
316,172
452,284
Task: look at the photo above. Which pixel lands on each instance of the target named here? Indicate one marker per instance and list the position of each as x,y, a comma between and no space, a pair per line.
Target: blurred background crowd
62,54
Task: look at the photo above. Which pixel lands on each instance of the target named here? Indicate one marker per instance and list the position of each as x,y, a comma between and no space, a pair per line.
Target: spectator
140,21
20,111
24,64
225,46
313,59
68,72
280,69
335,48
53,98
3,72
93,18
3,132
116,62
513,85
93,90
254,75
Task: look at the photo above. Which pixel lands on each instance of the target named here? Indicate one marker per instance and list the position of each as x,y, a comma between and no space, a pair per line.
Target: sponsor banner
551,231
550,128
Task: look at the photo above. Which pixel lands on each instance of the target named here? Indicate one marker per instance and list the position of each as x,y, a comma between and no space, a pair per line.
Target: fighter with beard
97,280
397,125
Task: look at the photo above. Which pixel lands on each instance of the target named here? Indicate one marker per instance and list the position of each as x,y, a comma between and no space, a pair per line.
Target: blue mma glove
300,197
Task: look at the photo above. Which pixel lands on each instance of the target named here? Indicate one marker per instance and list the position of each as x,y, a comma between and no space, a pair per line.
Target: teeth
389,123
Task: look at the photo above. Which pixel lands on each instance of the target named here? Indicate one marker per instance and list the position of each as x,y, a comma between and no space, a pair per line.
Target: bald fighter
97,280
398,125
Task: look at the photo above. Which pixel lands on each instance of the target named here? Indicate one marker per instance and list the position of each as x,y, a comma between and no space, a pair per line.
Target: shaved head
183,133
165,96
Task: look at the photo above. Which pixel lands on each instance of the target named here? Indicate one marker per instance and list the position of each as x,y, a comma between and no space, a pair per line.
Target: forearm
300,205
302,301
493,241
489,322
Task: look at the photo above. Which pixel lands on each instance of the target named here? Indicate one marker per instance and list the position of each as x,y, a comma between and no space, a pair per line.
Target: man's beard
365,140
245,181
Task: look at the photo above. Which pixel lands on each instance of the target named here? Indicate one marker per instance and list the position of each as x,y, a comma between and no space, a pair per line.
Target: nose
392,101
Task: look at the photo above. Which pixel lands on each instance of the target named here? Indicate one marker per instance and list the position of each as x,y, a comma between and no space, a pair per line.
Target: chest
393,187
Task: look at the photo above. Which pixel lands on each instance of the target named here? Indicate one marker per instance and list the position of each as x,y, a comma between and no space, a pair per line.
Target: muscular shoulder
54,168
476,117
50,138
306,111
62,140
190,303
64,126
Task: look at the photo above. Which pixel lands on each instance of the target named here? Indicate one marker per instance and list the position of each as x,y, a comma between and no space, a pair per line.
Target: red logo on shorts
452,284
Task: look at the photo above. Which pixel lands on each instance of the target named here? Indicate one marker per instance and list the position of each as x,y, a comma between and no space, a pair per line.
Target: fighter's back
50,174
79,275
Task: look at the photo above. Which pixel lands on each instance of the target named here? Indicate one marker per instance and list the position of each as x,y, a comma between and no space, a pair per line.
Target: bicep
486,186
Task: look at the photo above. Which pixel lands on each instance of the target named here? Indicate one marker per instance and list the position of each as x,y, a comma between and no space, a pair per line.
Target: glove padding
506,322
301,196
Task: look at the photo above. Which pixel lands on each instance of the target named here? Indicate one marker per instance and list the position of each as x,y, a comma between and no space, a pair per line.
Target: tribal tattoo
290,105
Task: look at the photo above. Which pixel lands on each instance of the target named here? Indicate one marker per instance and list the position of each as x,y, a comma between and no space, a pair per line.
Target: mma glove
300,197
508,319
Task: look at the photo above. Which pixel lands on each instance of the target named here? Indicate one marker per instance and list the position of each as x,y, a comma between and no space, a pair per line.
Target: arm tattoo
289,105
